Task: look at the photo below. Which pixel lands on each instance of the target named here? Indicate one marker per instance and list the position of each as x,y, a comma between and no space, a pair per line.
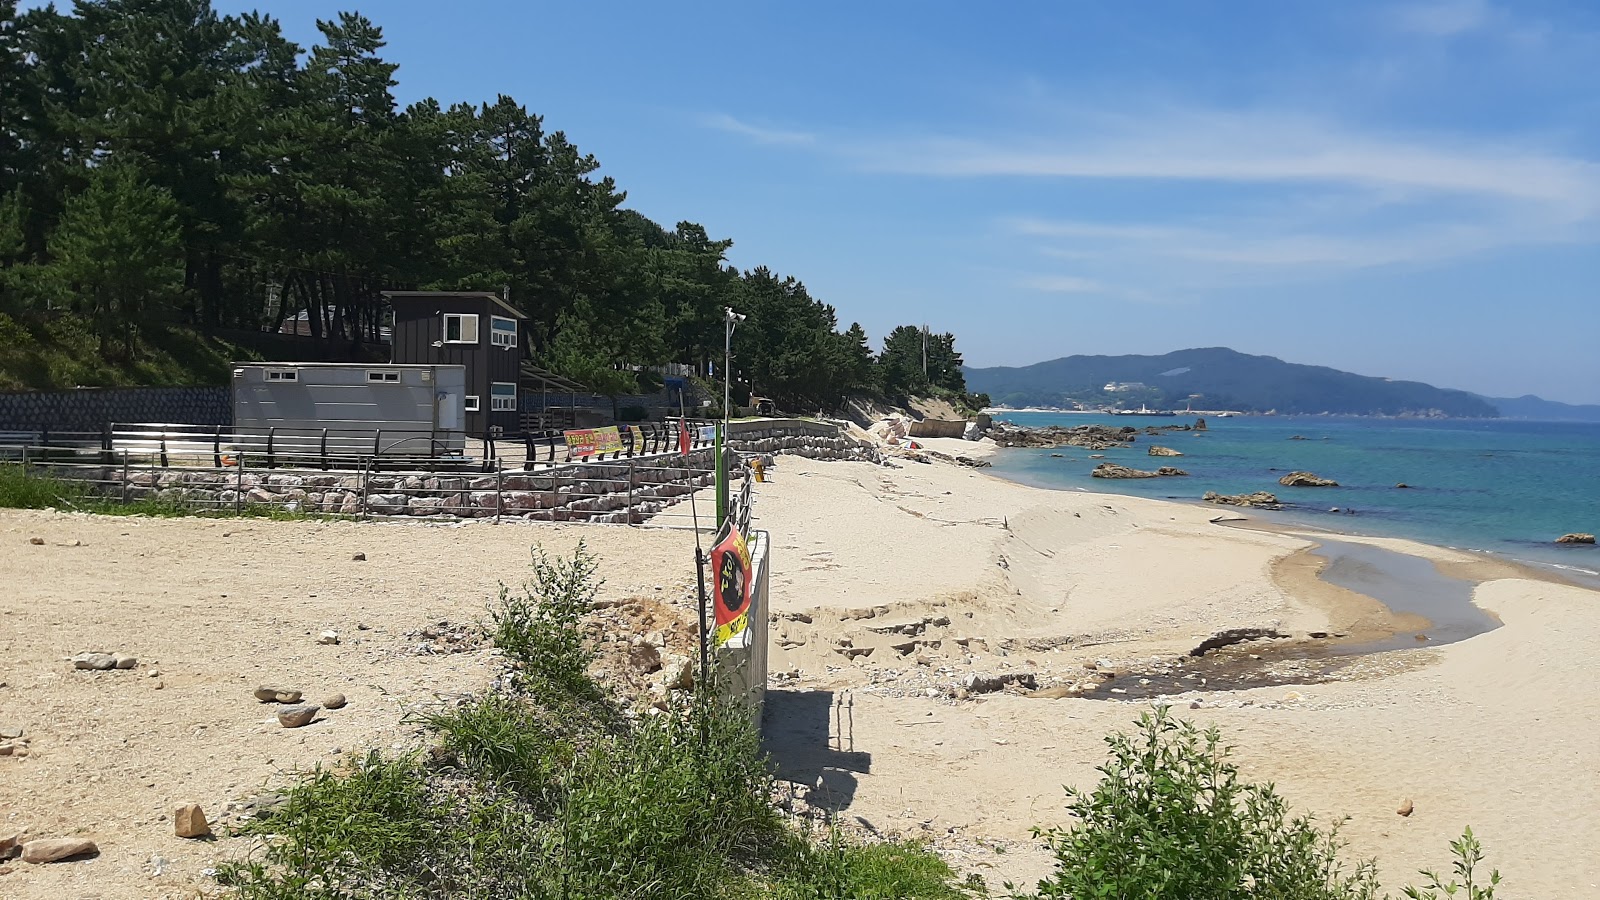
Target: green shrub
1171,819
1468,853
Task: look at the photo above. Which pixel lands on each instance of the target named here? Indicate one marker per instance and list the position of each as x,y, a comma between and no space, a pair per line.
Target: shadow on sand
810,735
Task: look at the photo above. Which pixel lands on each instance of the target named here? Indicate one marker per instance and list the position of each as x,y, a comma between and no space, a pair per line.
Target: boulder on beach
1577,537
1258,500
1162,451
1306,479
1112,470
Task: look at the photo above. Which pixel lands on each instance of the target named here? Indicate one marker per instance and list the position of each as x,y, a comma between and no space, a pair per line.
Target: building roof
461,295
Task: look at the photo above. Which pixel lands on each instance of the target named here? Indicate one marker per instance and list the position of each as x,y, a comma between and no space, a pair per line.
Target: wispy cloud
1258,147
1446,18
758,133
1063,284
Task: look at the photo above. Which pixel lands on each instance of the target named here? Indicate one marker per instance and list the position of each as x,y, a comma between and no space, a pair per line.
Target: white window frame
499,401
464,318
469,403
283,375
379,376
500,337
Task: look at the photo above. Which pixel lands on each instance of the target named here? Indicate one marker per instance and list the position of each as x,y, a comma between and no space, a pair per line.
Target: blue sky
1401,189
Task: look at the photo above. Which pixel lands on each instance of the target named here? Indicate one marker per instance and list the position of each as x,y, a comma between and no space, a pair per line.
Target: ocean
1488,485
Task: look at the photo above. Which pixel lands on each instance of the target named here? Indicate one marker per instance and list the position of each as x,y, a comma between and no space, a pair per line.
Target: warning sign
730,566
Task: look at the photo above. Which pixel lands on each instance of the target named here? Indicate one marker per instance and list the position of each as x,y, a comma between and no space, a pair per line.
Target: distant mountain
1530,407
1218,378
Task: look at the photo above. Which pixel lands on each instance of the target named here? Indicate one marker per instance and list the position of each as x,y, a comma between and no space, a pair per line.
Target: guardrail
331,449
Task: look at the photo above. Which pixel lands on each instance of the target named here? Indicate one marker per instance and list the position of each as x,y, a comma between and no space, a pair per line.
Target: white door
449,410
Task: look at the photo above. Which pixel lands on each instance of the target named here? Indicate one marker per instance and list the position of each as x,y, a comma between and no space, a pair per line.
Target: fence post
325,450
107,456
631,471
238,485
499,491
216,447
366,483
124,476
272,434
163,449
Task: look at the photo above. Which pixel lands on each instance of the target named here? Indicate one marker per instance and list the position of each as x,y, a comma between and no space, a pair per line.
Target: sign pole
705,631
721,466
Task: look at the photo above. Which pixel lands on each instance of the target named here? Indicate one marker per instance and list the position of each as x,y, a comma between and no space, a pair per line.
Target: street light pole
731,320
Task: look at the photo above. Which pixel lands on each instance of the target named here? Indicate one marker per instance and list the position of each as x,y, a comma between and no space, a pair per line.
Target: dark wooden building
476,329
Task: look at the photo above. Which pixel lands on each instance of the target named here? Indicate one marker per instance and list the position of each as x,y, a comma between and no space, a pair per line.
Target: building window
471,403
460,328
283,374
383,376
503,397
502,331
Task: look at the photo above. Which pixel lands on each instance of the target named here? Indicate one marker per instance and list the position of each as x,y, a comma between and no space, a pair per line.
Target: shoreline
1568,574
1102,601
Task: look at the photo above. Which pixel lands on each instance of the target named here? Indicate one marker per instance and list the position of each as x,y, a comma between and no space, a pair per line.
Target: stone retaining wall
629,491
89,409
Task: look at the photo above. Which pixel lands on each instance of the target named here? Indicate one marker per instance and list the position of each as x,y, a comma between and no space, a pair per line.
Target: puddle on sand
1407,585
1403,583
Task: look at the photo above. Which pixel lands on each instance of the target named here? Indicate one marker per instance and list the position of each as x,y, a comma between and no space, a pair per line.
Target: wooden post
499,491
124,475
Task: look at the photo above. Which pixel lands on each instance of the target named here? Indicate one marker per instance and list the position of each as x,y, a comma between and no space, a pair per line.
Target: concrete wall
742,661
88,409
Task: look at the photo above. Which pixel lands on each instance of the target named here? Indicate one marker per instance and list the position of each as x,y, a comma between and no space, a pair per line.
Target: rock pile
1112,470
1093,437
1306,479
1258,500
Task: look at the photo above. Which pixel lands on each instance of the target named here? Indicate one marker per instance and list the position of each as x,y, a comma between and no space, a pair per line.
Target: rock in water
1576,537
1162,451
1169,470
298,716
1112,470
98,662
270,694
1306,479
1259,499
189,821
46,850
1402,485
1199,424
334,701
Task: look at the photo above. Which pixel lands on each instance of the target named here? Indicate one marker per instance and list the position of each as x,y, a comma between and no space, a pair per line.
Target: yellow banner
589,441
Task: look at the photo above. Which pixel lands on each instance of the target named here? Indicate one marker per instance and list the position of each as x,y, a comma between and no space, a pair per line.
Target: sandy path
217,607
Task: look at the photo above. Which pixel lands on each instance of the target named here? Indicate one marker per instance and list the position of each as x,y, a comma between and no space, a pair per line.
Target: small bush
1171,819
550,789
1468,853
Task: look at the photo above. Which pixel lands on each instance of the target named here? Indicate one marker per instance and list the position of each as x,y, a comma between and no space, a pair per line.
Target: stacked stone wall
90,409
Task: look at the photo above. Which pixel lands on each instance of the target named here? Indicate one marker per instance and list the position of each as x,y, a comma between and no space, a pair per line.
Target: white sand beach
941,572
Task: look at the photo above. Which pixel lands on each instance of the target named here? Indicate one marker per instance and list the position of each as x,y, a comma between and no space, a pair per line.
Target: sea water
1500,486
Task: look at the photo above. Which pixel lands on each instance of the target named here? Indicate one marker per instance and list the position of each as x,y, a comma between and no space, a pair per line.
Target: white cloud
757,133
1264,148
1447,18
1063,284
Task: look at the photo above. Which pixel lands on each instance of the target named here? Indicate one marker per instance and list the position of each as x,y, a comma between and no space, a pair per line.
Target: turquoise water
1500,486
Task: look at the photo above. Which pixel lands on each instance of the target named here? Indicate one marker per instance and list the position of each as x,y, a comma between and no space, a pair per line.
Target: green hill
1218,378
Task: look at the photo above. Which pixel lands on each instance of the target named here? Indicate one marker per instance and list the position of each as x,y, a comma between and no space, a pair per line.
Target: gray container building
364,409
